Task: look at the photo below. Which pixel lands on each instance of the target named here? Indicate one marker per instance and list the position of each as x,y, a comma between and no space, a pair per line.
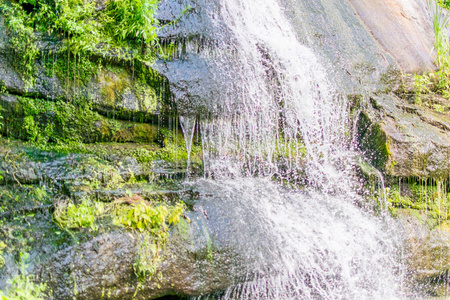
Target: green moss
101,175
72,69
422,198
146,96
375,143
67,126
114,83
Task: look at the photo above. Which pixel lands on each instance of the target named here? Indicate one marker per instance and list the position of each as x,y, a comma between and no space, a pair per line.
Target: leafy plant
77,216
421,83
22,41
145,217
23,286
140,215
444,3
441,19
126,29
132,20
146,264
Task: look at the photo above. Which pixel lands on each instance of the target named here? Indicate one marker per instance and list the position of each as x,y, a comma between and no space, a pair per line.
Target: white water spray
277,111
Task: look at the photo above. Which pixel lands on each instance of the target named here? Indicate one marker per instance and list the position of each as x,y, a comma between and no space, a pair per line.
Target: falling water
188,127
273,111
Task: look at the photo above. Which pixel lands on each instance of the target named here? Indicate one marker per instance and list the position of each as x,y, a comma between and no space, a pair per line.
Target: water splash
300,245
272,111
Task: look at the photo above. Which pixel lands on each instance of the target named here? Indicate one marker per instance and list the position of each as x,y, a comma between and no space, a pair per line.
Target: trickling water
273,111
188,127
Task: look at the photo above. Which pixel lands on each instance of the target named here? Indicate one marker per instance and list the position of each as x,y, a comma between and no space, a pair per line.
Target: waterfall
271,112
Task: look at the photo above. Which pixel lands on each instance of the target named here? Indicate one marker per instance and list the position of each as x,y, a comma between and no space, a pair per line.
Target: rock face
427,251
103,267
405,140
115,88
404,30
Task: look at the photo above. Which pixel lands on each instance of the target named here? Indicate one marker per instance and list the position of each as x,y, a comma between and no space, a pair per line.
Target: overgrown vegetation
2,258
69,215
130,212
444,3
117,28
59,125
67,126
439,80
22,286
151,220
433,200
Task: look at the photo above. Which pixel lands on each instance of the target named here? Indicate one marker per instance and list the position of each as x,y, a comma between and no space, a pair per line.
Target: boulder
405,140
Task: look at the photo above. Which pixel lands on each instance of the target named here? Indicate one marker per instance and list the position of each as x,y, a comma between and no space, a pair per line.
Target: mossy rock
46,121
427,251
404,140
115,86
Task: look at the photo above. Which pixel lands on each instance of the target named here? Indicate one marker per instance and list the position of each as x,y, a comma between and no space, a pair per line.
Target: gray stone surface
406,140
404,30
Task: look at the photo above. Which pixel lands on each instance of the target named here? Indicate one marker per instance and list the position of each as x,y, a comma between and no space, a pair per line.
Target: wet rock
113,89
427,249
88,126
405,140
103,267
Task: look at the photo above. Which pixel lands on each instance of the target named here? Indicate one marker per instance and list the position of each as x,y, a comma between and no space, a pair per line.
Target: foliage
132,19
119,29
441,77
140,215
2,259
65,125
145,217
22,41
146,264
23,286
444,3
427,198
421,83
77,216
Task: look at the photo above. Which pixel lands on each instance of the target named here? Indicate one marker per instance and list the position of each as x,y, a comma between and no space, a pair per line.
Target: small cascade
188,126
272,111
